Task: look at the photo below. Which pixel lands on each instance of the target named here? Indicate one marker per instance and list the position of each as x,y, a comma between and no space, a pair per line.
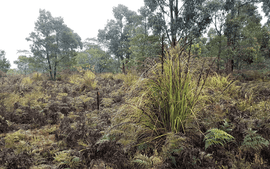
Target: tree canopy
131,38
54,42
4,63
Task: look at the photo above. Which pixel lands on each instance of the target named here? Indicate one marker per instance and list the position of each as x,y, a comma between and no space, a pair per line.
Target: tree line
130,38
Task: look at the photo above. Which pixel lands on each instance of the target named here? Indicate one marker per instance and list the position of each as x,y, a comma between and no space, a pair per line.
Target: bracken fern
216,136
254,141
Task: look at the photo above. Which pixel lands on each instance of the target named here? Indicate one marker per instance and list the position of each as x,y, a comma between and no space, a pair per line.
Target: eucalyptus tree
27,64
54,42
83,58
250,36
192,18
199,48
266,9
115,35
233,6
196,16
22,64
94,56
266,28
246,15
265,41
216,38
244,32
142,44
4,63
216,46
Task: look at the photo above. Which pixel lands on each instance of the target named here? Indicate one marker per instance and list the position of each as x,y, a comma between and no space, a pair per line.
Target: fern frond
216,136
226,126
142,160
254,141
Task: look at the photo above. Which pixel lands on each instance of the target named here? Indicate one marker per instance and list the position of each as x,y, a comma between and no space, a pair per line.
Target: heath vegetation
189,105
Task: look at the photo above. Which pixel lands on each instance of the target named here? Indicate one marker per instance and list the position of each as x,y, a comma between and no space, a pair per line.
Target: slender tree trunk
162,55
123,68
50,68
229,66
219,51
173,21
55,64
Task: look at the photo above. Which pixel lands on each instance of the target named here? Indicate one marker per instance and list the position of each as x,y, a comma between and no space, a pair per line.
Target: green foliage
12,72
213,47
226,126
9,102
176,99
264,39
244,41
37,64
251,32
142,161
181,22
94,56
69,60
23,64
142,46
60,42
216,136
253,141
29,99
10,139
115,35
64,157
170,94
198,48
4,63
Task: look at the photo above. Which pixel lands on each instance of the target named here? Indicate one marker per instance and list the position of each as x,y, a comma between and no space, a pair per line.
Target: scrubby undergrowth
87,120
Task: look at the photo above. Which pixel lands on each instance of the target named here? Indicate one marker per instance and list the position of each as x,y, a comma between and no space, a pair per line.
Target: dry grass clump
37,76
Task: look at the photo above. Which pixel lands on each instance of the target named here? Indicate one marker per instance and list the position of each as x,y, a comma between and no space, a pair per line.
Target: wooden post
98,100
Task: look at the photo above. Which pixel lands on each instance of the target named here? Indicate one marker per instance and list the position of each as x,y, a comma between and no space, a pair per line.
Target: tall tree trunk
219,51
173,20
55,64
50,68
162,55
123,68
229,66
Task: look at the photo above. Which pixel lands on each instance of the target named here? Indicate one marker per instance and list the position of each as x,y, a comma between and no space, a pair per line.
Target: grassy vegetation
178,119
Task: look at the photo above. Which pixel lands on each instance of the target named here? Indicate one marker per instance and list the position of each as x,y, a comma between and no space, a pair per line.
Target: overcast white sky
85,17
